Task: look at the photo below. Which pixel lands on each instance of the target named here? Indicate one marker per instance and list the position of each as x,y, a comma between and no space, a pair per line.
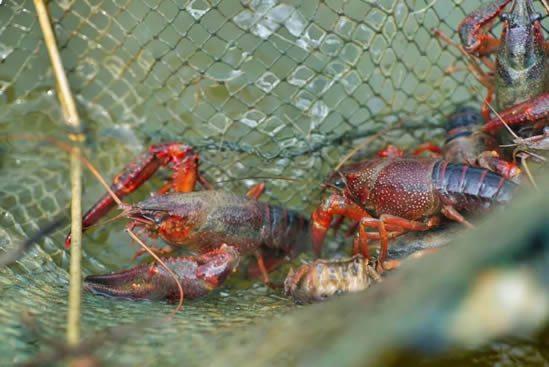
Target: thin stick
61,82
528,173
70,113
366,142
545,5
75,273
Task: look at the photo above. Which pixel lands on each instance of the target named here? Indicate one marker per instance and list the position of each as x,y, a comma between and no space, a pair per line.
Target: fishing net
258,87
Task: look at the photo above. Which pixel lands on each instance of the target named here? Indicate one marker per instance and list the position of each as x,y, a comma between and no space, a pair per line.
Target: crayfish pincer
197,275
397,195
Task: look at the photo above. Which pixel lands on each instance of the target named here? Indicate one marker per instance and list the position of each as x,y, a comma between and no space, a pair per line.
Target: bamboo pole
72,120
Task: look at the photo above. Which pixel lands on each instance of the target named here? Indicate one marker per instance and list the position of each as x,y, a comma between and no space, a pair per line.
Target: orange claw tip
68,240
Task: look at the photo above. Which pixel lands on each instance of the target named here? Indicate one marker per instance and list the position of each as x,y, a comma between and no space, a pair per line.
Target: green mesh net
258,87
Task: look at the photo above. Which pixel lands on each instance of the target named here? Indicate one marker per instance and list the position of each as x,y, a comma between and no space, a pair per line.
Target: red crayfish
219,226
394,194
520,74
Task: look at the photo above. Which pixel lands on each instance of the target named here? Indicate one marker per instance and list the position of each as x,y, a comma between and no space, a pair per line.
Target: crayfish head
522,37
150,220
169,216
171,228
353,180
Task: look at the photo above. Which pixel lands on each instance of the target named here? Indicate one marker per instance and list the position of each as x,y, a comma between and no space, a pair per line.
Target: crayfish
394,195
520,74
218,226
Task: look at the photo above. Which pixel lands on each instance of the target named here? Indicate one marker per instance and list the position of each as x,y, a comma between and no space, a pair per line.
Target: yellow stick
70,114
75,274
61,82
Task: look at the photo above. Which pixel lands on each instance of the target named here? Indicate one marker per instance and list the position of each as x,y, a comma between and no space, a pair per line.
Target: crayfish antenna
517,138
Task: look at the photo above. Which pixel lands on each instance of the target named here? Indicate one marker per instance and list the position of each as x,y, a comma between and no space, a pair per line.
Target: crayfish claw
197,275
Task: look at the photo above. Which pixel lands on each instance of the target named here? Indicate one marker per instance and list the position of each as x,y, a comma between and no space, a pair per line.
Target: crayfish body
396,195
200,221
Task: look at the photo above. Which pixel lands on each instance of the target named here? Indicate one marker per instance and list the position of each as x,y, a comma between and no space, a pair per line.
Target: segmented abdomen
284,228
468,187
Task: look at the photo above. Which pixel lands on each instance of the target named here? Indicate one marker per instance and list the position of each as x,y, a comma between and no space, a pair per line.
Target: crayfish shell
321,279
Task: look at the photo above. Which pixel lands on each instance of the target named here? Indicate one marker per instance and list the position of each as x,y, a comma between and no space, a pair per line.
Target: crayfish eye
536,18
504,16
339,183
158,219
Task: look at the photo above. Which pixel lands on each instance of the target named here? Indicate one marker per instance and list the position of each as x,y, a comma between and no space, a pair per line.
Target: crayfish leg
396,225
428,147
263,270
271,263
390,151
294,277
167,249
256,190
451,213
